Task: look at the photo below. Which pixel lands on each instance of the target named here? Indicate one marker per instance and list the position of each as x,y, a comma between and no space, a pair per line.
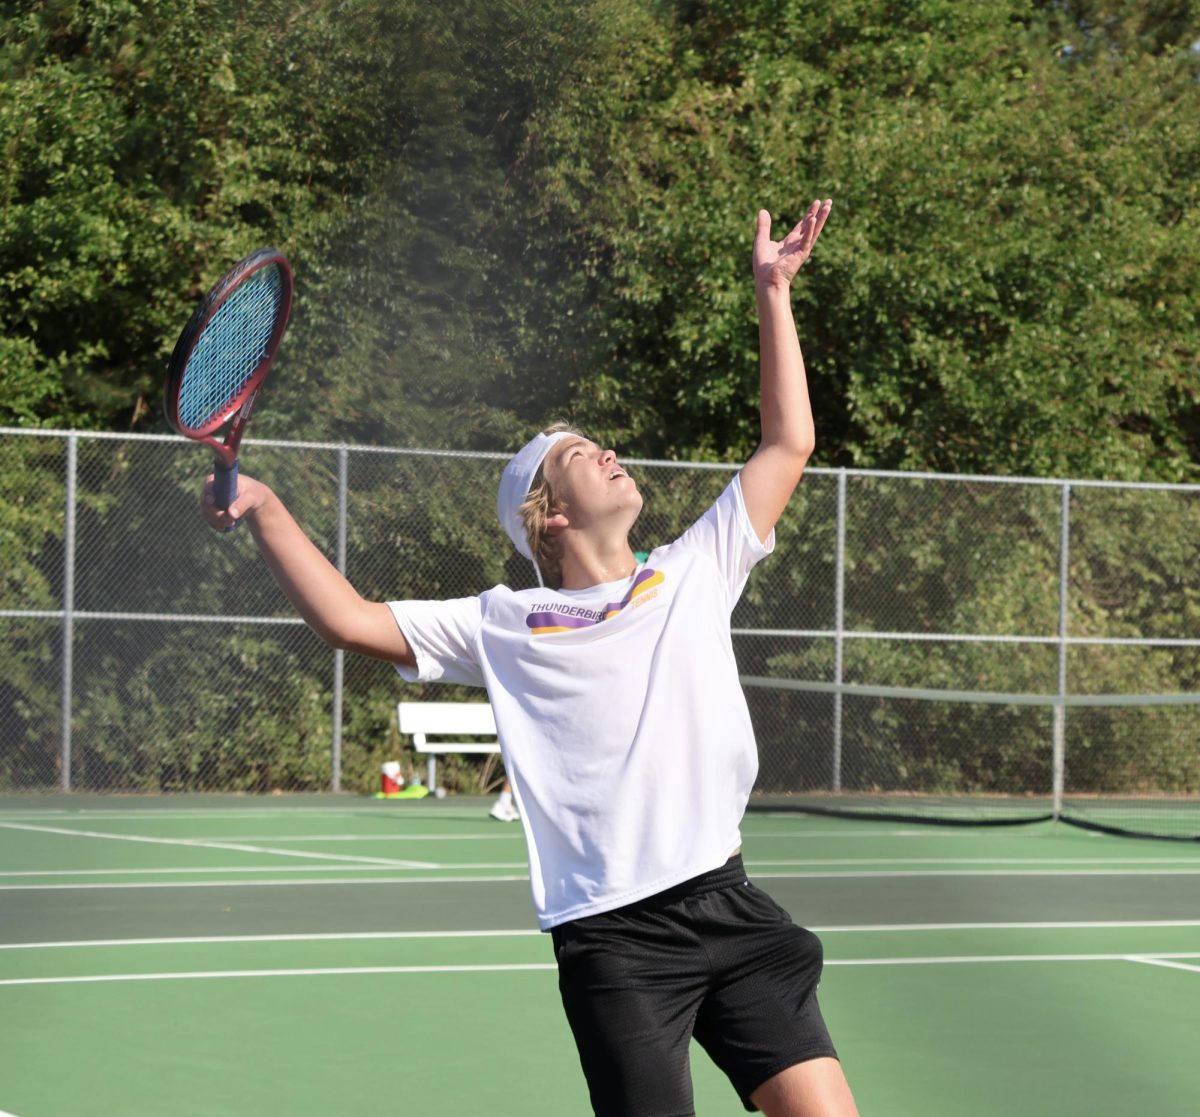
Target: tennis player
627,739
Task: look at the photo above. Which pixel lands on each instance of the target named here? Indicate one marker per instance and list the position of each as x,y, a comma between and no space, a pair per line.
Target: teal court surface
322,955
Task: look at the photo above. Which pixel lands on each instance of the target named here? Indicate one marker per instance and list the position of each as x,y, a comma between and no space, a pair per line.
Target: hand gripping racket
222,357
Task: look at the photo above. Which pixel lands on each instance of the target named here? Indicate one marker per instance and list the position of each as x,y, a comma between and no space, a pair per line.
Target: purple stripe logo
557,618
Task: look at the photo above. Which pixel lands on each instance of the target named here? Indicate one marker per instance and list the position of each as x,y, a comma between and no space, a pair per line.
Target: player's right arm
329,604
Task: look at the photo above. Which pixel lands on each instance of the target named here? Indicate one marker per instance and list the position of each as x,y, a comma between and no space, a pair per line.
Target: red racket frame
242,401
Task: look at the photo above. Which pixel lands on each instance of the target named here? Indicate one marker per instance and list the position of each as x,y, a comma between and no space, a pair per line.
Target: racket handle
225,483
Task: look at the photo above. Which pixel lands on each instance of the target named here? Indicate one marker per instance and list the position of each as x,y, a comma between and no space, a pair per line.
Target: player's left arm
771,475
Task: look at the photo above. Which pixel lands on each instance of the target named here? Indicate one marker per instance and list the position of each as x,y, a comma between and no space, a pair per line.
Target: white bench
421,719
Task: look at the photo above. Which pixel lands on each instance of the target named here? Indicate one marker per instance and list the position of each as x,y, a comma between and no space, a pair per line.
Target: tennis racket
222,357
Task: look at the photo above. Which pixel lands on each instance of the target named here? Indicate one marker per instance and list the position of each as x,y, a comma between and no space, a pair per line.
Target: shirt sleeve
726,535
442,636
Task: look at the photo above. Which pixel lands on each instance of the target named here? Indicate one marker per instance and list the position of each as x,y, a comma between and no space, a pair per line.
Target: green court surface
335,955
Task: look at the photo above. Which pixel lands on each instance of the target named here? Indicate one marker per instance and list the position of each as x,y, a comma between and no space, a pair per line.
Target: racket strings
230,348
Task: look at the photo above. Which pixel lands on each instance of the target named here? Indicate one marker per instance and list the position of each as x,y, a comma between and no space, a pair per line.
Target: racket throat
234,438
226,455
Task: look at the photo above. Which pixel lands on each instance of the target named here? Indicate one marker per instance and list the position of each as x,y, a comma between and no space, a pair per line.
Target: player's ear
557,522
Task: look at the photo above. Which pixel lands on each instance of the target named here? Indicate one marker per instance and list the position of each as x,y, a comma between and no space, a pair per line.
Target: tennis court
327,954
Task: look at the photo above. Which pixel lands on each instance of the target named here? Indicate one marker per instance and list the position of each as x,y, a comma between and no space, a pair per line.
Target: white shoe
504,812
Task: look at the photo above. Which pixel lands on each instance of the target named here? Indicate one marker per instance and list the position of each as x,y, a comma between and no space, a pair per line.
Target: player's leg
762,1024
816,1088
630,986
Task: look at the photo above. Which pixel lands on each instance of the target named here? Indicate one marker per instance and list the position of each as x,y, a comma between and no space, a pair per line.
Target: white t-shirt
622,724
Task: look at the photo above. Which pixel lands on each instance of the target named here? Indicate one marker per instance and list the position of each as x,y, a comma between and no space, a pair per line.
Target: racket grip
225,483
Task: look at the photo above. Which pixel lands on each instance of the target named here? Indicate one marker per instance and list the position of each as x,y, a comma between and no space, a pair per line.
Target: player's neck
589,562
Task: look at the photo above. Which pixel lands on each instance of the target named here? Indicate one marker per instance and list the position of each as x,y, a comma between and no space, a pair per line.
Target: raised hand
777,262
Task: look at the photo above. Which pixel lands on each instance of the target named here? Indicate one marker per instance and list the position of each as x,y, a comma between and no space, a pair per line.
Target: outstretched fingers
804,235
777,262
796,236
820,219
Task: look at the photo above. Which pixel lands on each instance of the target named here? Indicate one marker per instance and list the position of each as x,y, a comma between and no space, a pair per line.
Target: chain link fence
936,645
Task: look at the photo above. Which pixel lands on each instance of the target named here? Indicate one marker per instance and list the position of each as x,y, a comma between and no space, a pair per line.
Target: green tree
1010,279
147,146
454,300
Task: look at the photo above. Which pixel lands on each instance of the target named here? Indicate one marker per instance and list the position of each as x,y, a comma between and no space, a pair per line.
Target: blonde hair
535,511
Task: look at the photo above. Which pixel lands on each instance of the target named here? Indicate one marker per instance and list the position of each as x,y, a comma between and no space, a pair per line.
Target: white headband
515,484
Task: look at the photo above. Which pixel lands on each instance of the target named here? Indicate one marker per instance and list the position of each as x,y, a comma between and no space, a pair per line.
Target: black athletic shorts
714,957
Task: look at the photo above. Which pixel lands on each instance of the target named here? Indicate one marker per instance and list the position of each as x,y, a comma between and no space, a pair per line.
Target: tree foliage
1009,279
147,147
502,212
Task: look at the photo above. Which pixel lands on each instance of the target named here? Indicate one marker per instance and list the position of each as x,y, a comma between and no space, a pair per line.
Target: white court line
1159,961
366,936
1059,925
215,869
511,836
198,843
988,873
989,959
352,936
753,862
5,1113
210,812
491,879
516,835
340,971
463,814
949,874
333,971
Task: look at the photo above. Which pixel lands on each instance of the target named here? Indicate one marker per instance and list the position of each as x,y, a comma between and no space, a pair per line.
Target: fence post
1060,706
339,656
839,624
68,612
